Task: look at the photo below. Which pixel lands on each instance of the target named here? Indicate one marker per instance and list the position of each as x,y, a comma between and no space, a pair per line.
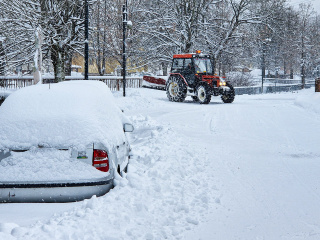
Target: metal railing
13,82
273,85
113,82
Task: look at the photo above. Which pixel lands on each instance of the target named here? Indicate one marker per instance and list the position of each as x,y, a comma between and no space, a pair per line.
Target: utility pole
86,43
124,59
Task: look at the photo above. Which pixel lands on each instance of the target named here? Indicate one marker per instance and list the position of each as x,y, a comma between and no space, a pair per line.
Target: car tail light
100,160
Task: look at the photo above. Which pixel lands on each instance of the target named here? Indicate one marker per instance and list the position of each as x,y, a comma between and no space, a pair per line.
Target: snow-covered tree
61,23
99,26
306,12
17,27
234,32
62,26
218,27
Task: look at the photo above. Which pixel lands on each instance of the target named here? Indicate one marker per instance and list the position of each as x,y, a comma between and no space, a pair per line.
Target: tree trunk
58,61
2,62
291,73
68,63
164,69
37,57
317,85
223,70
213,60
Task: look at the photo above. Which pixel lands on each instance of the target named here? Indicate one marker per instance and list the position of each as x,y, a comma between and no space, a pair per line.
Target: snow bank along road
247,170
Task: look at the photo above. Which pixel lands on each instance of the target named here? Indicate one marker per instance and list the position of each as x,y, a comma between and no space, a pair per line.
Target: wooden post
118,85
317,84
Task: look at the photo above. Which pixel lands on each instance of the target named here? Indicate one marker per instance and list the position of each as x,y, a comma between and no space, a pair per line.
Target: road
263,154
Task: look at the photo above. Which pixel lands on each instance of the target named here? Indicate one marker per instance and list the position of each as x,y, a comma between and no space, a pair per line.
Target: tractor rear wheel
203,93
176,89
228,95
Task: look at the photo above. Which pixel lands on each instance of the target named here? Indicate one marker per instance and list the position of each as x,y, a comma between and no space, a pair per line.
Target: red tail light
100,160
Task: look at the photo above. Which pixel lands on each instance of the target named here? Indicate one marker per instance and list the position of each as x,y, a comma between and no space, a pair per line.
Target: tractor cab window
203,65
181,65
188,64
177,65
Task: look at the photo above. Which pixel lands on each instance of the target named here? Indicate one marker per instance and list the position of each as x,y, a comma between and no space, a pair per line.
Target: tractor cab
193,67
197,63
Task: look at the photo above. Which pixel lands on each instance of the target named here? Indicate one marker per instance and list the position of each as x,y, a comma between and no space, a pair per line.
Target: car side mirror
127,127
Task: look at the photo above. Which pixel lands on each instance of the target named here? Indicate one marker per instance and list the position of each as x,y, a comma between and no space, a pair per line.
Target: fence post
317,85
118,85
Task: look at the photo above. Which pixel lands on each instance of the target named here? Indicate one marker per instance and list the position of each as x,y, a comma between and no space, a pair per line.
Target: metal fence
273,85
113,82
15,82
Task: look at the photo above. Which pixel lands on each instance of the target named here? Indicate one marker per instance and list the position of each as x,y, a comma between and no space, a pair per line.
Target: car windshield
203,65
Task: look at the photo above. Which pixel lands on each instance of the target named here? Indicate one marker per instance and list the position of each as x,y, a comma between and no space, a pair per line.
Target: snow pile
74,113
138,101
164,194
310,100
47,165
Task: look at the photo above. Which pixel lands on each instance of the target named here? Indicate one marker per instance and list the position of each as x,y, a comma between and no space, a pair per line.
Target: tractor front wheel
203,93
228,95
176,89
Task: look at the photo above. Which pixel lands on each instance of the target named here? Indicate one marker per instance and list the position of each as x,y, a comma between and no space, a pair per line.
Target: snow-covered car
61,142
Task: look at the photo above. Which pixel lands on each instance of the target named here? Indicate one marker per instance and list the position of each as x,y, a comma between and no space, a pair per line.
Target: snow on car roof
71,113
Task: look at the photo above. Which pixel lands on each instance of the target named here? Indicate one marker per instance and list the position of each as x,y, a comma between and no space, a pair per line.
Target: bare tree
61,22
17,27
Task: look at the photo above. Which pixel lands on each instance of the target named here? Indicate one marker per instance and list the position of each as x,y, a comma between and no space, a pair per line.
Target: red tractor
192,75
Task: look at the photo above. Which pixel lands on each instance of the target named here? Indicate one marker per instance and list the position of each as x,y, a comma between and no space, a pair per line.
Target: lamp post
86,43
263,67
263,61
124,59
2,55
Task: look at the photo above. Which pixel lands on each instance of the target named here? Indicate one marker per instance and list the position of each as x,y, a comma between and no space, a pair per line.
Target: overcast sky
316,3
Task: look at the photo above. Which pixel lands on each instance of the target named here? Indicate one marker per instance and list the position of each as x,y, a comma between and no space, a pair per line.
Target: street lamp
126,24
263,67
2,55
86,43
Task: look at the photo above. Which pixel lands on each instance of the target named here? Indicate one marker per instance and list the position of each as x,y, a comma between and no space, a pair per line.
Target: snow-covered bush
239,79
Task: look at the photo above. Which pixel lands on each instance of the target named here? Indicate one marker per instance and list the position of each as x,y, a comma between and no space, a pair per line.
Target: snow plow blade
154,82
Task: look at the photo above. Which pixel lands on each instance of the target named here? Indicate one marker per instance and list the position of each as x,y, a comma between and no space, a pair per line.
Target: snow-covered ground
246,170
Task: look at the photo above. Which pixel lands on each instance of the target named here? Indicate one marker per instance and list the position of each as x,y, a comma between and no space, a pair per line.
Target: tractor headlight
222,83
